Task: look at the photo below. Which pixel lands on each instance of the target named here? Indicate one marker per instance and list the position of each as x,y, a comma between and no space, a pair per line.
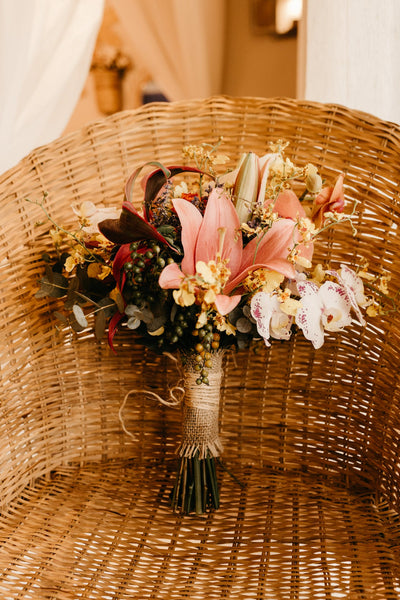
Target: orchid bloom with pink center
270,319
322,308
203,243
354,287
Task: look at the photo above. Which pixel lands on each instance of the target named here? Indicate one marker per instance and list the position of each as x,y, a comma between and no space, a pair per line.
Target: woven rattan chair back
311,437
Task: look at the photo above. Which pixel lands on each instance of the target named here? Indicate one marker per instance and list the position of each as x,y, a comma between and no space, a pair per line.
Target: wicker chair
310,492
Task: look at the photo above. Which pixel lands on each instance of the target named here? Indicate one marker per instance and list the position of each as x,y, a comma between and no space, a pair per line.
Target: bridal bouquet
217,258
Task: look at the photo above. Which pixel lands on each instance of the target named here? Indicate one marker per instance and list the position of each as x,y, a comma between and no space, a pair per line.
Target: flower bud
246,187
313,179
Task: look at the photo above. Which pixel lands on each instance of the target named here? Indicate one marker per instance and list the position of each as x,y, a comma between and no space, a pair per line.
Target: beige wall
256,64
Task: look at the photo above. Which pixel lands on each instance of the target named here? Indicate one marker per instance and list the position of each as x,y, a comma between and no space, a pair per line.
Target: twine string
200,427
173,403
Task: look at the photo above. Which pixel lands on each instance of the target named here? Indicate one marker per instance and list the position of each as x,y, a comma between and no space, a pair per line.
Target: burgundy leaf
112,328
130,227
155,181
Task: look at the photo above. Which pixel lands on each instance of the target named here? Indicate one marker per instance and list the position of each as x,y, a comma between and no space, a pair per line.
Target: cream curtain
349,53
179,42
45,53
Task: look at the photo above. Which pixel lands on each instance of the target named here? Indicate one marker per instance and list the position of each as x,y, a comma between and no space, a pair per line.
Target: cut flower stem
196,486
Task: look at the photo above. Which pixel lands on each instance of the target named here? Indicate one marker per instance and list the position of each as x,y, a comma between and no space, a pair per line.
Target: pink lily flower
202,241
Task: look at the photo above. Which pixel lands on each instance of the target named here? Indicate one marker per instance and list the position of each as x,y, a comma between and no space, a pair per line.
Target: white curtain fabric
349,53
46,48
179,42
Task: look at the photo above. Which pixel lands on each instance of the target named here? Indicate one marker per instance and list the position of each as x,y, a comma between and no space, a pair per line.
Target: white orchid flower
354,289
325,308
270,319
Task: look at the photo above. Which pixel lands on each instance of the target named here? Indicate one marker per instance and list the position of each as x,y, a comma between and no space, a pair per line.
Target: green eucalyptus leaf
73,323
100,324
61,317
55,288
108,307
49,273
79,315
72,297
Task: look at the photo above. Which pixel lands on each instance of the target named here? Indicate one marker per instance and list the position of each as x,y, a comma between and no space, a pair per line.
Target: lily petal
274,243
278,264
224,304
191,220
220,214
289,206
170,277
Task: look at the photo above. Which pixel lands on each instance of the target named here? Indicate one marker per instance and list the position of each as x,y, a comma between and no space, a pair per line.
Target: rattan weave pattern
312,437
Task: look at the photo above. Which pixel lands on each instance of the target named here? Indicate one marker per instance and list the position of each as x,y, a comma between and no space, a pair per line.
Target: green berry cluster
208,341
147,260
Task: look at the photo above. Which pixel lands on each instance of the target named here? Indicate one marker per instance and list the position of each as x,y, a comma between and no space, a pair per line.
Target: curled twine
174,402
195,405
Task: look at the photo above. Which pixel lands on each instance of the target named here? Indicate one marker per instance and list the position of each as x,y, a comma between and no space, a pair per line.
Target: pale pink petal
269,250
329,199
265,158
274,243
224,304
191,220
220,214
289,206
306,250
337,199
229,178
170,277
278,264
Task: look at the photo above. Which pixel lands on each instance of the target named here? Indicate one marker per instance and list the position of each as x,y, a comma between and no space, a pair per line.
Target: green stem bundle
196,486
